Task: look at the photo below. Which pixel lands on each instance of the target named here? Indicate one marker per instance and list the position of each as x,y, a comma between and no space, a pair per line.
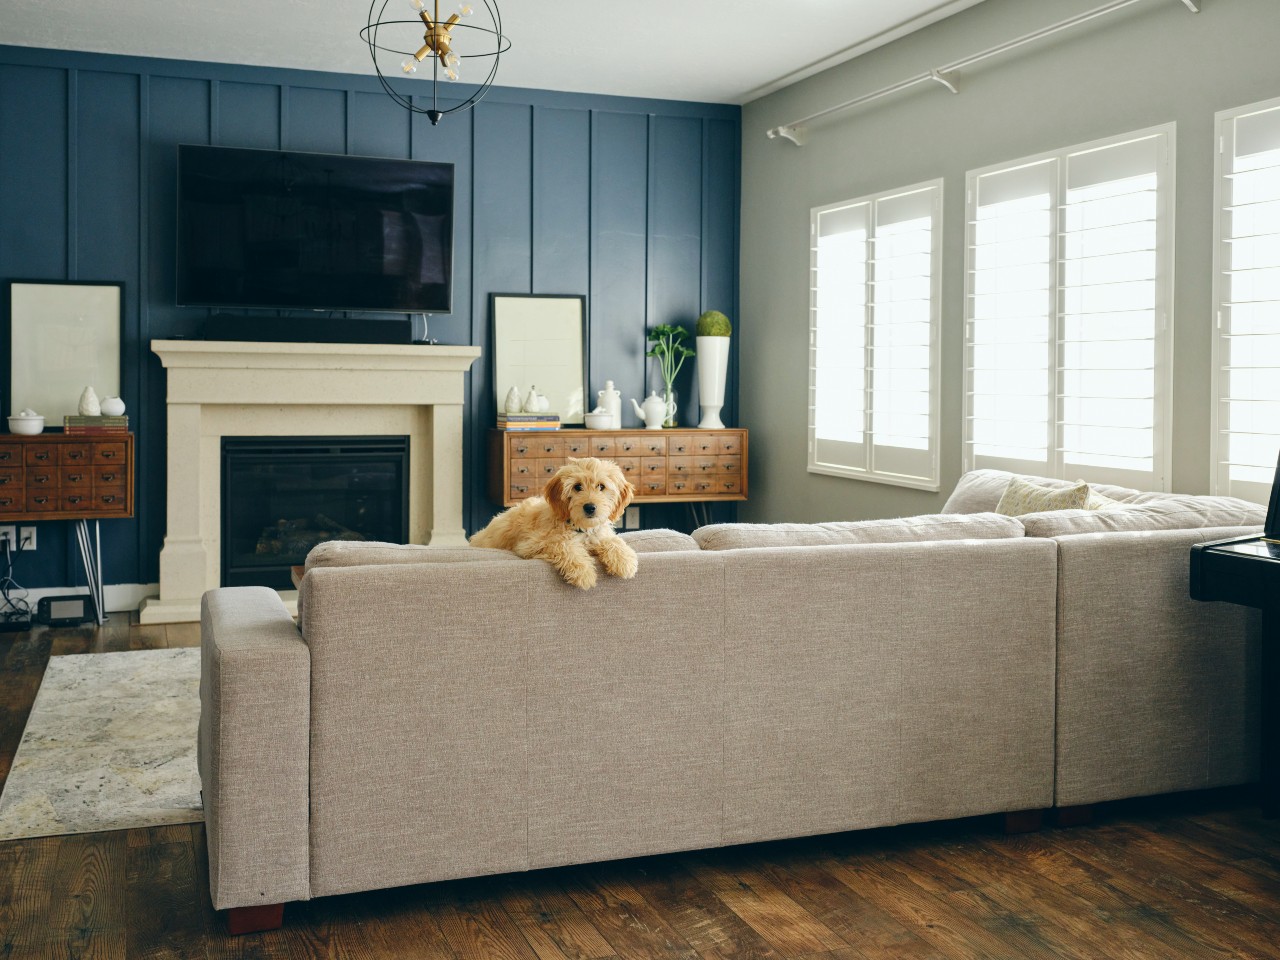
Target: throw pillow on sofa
942,526
979,491
1022,497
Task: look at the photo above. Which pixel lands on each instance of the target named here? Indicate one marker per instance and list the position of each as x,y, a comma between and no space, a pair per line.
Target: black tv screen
267,228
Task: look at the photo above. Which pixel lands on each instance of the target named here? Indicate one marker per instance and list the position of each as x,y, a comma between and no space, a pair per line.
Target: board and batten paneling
631,202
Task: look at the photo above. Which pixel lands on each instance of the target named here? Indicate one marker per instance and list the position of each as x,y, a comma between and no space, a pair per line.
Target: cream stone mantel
221,388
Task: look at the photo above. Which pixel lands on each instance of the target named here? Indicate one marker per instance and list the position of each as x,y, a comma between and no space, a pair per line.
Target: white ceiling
728,51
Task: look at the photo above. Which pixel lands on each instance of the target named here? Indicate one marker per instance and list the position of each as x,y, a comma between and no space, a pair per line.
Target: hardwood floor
1194,876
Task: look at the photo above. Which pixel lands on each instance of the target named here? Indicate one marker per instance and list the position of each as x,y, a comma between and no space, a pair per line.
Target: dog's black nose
589,509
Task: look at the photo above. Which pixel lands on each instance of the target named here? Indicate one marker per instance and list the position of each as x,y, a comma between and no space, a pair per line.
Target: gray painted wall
1151,63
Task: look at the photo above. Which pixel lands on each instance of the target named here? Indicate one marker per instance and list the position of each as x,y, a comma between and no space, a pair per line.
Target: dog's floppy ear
553,493
625,494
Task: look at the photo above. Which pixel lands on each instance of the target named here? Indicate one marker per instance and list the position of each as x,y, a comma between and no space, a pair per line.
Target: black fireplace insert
283,495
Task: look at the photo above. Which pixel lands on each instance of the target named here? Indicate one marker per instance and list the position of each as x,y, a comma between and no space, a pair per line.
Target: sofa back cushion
360,553
1149,511
659,541
734,536
979,491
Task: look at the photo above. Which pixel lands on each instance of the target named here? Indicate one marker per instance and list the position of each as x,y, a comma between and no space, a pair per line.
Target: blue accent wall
631,202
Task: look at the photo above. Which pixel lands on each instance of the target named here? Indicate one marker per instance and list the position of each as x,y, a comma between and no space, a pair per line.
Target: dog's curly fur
570,523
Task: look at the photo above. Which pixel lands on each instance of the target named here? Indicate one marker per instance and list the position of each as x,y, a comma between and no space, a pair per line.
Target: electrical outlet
9,533
26,538
631,521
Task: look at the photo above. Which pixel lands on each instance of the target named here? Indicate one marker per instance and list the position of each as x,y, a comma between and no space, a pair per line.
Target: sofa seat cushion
659,541
980,526
1149,511
979,491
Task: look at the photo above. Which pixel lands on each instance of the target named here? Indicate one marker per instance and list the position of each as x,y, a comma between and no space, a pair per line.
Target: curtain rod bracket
943,79
793,132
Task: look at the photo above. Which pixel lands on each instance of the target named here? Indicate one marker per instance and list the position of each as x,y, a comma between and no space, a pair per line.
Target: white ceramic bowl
598,421
26,424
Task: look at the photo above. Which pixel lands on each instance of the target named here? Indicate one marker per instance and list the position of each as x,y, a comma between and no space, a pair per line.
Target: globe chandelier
482,42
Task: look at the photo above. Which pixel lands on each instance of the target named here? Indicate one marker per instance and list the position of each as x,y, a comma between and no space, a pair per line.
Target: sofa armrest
255,715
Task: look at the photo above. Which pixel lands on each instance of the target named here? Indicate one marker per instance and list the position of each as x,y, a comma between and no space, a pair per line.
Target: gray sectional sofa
448,712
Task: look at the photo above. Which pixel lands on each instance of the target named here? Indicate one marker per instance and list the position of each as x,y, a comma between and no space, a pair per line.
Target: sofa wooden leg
1023,821
1074,816
268,916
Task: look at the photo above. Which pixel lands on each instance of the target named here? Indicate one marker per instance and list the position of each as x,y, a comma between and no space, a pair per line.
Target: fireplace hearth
283,495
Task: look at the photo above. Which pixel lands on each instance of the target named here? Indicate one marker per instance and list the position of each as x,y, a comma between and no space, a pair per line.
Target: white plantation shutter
1067,332
1247,300
873,408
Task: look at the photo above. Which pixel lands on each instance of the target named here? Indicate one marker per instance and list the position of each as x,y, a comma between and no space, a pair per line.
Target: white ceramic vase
713,369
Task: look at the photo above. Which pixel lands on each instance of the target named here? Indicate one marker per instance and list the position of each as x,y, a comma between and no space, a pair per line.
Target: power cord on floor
14,596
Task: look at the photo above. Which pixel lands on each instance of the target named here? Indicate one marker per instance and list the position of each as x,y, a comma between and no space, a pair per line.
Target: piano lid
1272,530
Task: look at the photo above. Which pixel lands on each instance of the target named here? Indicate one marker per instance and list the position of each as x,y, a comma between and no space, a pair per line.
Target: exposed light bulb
451,60
466,9
451,74
418,5
409,66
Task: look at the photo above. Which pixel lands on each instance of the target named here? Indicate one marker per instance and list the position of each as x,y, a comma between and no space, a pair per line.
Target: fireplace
283,495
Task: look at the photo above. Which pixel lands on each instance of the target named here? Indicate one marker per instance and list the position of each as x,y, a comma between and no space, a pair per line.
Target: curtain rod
795,130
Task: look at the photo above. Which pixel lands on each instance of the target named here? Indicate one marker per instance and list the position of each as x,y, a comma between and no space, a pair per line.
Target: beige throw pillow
1022,497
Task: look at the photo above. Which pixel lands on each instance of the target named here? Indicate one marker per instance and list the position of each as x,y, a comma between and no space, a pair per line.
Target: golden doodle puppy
570,523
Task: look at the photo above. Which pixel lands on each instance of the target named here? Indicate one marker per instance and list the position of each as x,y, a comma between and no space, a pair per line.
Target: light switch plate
631,519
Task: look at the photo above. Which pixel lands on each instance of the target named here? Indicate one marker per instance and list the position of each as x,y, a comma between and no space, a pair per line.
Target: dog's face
589,492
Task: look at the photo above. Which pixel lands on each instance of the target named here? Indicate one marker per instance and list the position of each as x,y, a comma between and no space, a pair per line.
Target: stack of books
94,425
528,421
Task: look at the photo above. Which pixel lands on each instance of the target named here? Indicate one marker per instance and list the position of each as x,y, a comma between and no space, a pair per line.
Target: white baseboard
117,597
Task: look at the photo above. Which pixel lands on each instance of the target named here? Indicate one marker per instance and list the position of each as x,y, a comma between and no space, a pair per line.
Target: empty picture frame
540,341
63,337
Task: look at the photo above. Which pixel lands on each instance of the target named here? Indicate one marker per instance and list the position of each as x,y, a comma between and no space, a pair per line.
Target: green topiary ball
713,323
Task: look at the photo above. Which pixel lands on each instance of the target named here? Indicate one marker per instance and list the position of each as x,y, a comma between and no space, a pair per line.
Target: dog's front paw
581,575
620,560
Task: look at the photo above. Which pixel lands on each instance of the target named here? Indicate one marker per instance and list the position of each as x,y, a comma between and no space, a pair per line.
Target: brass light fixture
390,36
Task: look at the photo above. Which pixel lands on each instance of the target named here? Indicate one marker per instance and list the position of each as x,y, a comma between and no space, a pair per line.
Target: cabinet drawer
42,478
549,447
547,467
705,465
109,476
654,446
651,486
11,454
728,484
628,445
41,454
679,445
76,478
704,444
679,485
520,490
630,466
577,447
73,453
110,502
10,501
112,452
704,485
680,466
10,477
602,447
524,470
653,467
523,447
41,501
729,443
76,500
729,464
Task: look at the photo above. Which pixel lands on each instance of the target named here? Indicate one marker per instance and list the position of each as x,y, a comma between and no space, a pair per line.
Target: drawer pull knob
42,456
108,454
74,499
77,477
110,498
42,499
3,481
5,501
4,457
74,455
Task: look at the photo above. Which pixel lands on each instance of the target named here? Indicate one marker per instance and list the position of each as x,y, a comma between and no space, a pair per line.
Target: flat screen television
312,231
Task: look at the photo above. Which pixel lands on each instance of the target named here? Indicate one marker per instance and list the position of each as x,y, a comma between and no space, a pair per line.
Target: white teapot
653,412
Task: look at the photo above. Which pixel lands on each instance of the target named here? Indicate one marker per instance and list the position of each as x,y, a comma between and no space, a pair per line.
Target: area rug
110,745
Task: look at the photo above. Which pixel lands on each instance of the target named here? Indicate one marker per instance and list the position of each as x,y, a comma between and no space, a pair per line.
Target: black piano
1246,570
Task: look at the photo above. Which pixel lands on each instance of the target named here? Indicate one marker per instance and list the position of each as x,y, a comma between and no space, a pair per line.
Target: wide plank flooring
1195,876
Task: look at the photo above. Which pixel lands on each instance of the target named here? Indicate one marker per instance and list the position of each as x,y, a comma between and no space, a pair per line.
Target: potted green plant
713,330
668,346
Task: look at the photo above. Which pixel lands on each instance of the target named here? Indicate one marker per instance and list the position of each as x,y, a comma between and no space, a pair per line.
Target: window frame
932,482
1220,483
1055,397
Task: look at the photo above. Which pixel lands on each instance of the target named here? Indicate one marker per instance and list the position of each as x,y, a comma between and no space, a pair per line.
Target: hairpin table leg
91,557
